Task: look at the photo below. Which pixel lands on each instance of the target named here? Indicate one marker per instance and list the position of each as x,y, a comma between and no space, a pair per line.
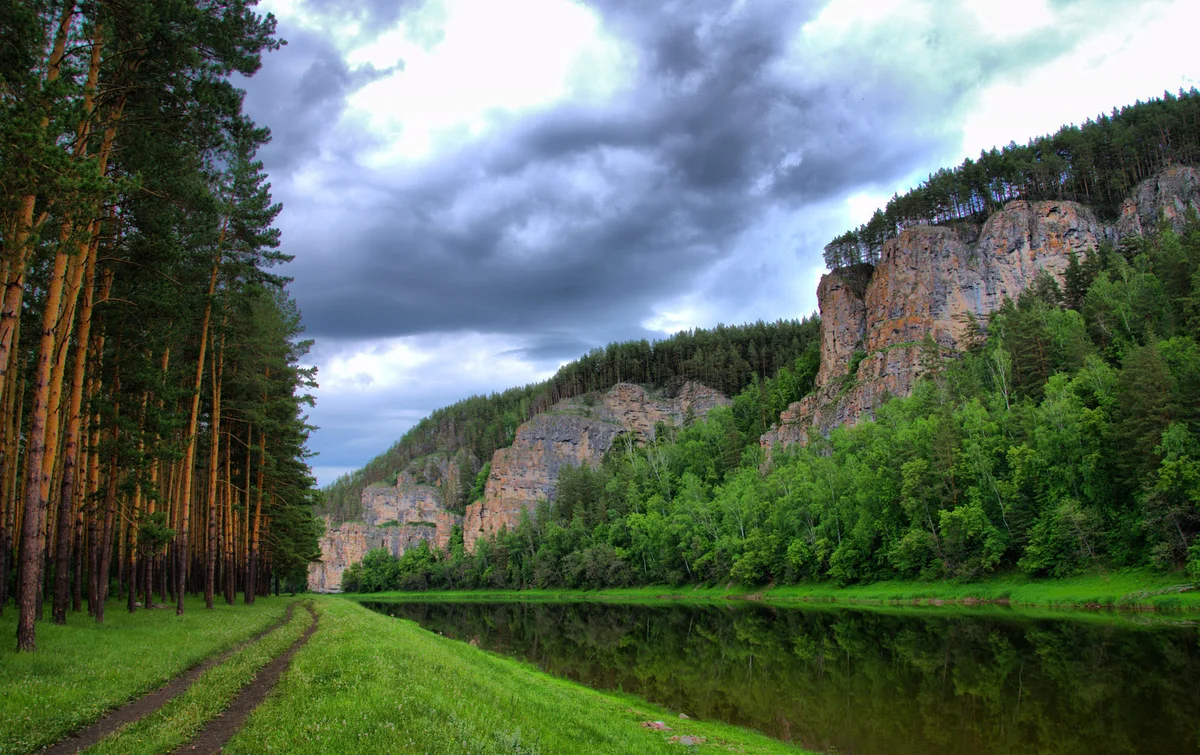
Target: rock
656,725
395,518
931,278
573,432
684,716
1170,195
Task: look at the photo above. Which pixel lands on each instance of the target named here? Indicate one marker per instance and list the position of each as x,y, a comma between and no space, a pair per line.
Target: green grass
182,718
366,683
84,669
1140,589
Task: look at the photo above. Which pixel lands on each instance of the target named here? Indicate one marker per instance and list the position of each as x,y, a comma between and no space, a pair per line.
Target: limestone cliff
576,431
395,518
930,278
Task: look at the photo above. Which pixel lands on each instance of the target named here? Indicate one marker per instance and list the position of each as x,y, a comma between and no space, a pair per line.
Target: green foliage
726,358
1051,446
480,482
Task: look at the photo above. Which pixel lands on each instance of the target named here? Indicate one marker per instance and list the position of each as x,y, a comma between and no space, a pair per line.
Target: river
868,682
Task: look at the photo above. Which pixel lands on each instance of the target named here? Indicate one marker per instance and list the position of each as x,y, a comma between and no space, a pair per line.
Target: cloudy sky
476,191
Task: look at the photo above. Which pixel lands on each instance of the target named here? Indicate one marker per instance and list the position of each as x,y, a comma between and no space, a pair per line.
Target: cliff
930,278
574,432
395,518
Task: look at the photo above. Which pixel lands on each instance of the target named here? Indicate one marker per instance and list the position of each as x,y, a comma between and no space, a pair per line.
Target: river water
868,682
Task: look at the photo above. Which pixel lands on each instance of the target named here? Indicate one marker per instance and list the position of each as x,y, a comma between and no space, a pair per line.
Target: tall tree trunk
189,456
106,538
67,494
135,517
255,527
21,237
248,587
230,545
12,418
33,545
214,451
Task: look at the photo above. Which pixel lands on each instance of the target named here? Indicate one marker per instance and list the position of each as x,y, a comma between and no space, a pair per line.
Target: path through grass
177,722
84,669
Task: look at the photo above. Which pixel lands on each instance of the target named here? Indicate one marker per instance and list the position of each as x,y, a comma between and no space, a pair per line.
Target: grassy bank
367,684
1134,589
179,720
84,669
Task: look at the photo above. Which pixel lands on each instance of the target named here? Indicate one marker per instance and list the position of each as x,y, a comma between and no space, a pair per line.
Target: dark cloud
570,226
300,94
713,132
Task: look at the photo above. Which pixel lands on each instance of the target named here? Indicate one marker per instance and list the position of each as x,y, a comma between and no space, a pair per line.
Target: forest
1097,164
727,358
152,393
1065,437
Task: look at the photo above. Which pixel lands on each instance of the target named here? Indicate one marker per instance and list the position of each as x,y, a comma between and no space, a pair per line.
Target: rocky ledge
930,278
574,432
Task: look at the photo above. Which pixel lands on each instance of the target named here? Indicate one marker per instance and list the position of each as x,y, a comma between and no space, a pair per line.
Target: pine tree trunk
214,451
21,236
190,454
248,588
33,546
106,537
229,550
252,591
135,518
12,417
67,493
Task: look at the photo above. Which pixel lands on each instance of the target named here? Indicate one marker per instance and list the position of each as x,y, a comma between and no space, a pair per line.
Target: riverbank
367,683
1131,589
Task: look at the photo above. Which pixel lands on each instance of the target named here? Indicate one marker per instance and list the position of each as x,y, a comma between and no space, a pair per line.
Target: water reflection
866,682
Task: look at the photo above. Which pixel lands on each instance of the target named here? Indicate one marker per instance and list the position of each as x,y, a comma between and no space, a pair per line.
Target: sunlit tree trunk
189,456
214,451
252,580
67,493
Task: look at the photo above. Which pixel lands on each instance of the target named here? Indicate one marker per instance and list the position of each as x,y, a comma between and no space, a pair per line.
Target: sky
477,191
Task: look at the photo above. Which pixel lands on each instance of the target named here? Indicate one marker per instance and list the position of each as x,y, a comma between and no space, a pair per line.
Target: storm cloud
704,181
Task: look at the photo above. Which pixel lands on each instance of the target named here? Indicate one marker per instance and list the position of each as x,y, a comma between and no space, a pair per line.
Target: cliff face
574,432
394,518
929,279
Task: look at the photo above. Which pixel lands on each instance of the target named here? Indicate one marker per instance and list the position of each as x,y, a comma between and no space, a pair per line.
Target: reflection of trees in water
867,682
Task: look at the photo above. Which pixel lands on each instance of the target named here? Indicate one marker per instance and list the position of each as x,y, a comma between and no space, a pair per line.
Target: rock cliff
576,431
930,278
395,518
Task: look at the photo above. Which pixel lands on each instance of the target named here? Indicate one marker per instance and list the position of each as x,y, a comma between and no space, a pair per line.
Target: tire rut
152,701
217,732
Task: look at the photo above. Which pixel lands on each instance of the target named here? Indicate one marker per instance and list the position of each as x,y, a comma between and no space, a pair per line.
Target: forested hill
1097,164
727,358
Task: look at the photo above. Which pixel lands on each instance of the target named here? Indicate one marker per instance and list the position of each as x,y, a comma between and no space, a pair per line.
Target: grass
366,683
177,722
84,669
1135,589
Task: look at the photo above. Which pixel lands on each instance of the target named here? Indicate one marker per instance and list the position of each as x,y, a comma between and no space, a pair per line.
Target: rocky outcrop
931,280
395,518
1170,195
574,432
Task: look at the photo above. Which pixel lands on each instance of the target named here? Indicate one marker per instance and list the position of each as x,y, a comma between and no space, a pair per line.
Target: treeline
727,358
1097,163
1066,436
152,434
